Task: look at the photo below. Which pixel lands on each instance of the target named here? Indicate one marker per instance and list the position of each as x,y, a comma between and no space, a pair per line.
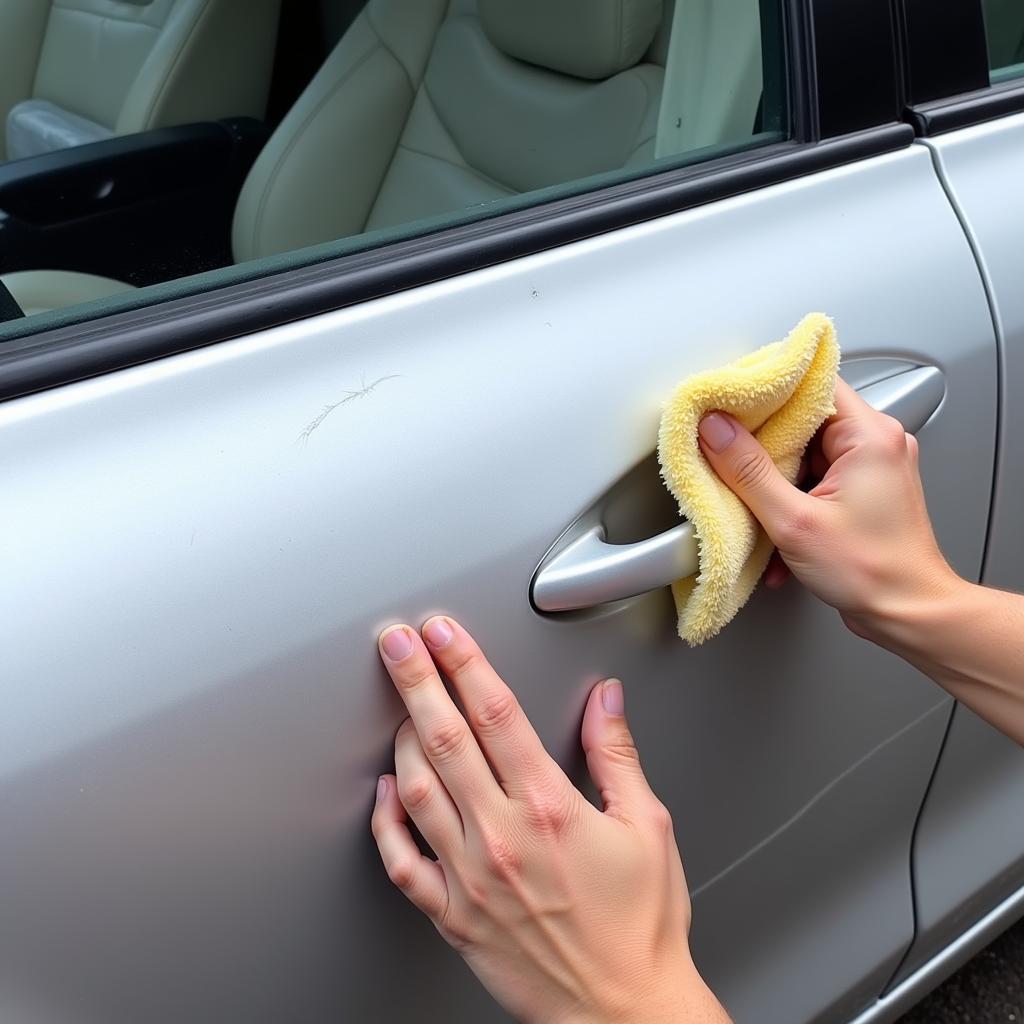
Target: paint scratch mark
192,542
350,396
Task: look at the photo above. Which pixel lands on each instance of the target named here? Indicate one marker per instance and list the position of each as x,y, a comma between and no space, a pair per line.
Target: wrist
681,996
906,622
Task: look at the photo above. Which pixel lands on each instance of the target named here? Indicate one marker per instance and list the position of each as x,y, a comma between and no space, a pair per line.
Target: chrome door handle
589,571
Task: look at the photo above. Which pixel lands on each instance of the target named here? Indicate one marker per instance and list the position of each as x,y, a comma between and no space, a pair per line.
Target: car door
969,844
213,500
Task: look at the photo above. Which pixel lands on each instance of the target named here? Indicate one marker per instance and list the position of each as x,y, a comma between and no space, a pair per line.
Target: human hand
564,912
860,539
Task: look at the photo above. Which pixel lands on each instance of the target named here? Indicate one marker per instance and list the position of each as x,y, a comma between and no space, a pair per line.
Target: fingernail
382,788
438,633
396,644
717,431
612,698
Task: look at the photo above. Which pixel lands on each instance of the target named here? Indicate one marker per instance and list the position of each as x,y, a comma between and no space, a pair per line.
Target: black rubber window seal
972,108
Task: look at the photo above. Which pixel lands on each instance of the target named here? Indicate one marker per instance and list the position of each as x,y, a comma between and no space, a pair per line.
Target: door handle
589,571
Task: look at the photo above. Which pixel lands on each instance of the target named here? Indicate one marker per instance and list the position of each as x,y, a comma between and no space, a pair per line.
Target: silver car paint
199,552
969,853
966,944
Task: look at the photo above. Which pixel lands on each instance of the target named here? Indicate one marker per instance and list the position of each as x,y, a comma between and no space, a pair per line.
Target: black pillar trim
857,81
944,48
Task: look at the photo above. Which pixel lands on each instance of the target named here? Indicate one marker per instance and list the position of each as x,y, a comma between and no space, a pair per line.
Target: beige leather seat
428,106
76,71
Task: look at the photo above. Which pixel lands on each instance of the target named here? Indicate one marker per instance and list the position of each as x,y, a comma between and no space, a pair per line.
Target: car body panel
969,852
199,553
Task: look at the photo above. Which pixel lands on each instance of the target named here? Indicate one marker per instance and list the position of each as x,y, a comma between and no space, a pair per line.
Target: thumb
747,469
611,753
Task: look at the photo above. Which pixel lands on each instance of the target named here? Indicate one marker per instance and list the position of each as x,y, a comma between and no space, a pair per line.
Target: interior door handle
589,571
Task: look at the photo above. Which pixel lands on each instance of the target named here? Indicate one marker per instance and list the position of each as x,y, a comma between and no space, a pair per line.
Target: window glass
1004,29
420,114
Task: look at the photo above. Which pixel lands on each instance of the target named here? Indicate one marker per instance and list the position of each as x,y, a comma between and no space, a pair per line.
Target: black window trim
832,123
946,83
968,109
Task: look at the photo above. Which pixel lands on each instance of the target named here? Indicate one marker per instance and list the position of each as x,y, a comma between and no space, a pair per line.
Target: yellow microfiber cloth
781,393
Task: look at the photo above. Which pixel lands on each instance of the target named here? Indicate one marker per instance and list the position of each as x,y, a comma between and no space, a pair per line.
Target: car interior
1004,29
148,140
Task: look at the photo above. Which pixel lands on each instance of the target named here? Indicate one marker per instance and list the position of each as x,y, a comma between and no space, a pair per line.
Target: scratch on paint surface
350,396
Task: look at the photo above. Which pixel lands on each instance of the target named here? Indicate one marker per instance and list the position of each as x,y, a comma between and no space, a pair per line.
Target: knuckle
445,742
401,872
463,661
415,675
891,438
495,712
621,750
500,857
478,895
752,469
794,526
661,819
415,793
456,930
548,812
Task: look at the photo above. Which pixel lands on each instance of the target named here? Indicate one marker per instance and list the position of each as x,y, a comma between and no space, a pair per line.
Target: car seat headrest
592,39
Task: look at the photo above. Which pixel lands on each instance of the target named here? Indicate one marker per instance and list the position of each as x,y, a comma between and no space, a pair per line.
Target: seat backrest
108,67
429,106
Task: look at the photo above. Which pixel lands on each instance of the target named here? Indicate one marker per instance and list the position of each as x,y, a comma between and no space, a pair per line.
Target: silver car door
199,550
969,847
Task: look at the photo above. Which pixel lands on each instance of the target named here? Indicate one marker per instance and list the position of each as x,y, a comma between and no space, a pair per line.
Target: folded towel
781,393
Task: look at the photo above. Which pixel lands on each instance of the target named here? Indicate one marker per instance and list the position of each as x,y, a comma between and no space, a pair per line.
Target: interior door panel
199,555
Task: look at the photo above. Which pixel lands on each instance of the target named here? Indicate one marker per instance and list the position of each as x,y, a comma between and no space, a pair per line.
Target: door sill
929,975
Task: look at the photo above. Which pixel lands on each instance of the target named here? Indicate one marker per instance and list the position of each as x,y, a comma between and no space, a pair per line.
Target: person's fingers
420,879
853,422
445,737
612,757
914,448
849,405
423,795
509,740
777,572
741,462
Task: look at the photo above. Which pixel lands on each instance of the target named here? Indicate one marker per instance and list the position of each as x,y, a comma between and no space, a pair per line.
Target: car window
1004,30
424,114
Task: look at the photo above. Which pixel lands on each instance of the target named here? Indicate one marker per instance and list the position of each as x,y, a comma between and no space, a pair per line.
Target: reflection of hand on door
861,540
564,912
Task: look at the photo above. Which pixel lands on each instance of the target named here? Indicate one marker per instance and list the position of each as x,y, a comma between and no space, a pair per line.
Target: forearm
682,997
970,640
692,1003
